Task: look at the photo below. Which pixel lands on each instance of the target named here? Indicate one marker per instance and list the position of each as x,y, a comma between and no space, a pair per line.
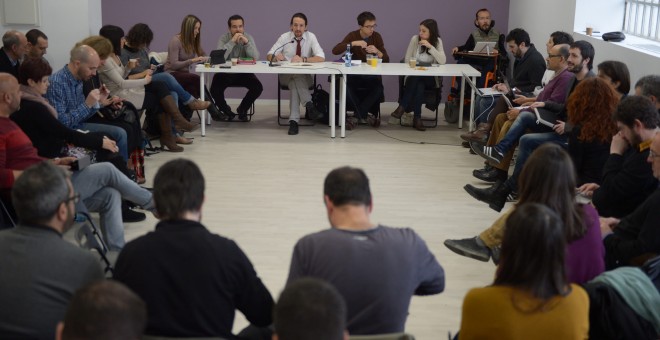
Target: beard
577,68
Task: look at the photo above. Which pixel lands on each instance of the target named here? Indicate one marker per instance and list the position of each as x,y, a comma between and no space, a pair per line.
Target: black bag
321,100
614,36
127,112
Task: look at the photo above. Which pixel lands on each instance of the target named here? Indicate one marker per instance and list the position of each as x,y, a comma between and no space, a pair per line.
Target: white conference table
333,69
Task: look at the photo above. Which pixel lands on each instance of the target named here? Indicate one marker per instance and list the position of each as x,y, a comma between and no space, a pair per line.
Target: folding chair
88,237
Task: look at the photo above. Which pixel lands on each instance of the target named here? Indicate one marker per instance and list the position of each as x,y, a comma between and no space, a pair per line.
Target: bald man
14,47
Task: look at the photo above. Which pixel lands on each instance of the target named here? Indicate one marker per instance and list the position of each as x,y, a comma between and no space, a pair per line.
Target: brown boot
197,104
398,112
417,124
172,111
167,141
479,135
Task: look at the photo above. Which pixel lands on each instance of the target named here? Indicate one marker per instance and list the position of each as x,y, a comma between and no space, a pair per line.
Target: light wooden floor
264,190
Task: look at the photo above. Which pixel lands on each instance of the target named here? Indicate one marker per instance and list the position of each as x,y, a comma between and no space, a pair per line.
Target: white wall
542,17
65,22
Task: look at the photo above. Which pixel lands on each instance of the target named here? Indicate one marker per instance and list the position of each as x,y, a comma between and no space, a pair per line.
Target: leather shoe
469,247
418,125
197,104
293,127
128,215
183,140
495,196
398,112
478,135
491,176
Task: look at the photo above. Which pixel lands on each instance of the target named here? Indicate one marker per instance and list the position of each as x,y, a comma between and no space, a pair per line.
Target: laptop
484,47
483,92
218,57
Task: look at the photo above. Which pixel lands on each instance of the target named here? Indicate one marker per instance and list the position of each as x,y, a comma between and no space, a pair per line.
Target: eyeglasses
370,27
554,56
75,198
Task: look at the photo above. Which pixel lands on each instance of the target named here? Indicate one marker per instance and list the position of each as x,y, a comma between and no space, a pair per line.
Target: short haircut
518,35
105,310
38,192
234,17
617,71
33,36
639,108
365,16
586,51
650,85
347,185
101,45
178,188
560,37
140,35
35,69
564,51
10,38
476,15
310,309
299,15
114,34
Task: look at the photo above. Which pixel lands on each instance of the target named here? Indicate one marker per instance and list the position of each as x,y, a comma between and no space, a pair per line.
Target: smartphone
81,163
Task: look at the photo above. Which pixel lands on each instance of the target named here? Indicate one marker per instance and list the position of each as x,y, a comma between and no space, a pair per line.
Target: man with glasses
101,185
298,45
364,41
41,271
238,45
636,237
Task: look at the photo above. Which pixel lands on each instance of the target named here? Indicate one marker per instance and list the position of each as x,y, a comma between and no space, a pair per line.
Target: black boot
491,176
495,196
128,215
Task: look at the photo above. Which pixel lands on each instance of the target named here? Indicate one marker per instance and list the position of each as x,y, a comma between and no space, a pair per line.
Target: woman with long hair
531,297
153,96
548,178
185,50
426,47
590,108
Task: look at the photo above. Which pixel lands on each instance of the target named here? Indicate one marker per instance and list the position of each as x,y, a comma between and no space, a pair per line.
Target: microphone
275,53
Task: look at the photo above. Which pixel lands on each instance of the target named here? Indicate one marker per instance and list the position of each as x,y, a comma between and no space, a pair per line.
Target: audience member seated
376,268
548,178
37,44
555,91
364,42
636,237
101,186
499,106
530,298
305,49
237,44
310,309
580,61
153,96
649,87
14,48
40,270
65,93
185,50
426,47
103,310
187,300
484,33
627,177
617,75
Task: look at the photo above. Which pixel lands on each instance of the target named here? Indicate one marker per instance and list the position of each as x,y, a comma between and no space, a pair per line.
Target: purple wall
330,21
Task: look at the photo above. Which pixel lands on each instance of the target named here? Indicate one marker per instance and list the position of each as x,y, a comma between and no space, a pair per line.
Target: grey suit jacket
39,272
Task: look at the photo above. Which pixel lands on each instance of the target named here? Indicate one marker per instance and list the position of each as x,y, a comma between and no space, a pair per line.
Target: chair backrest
390,336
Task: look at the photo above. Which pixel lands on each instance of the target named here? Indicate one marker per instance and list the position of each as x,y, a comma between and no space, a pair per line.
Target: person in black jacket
191,280
14,47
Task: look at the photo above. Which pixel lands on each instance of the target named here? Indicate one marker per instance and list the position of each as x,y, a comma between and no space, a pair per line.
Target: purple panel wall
329,20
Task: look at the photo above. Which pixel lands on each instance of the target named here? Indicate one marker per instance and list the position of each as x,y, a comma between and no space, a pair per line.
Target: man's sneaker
488,152
293,127
512,197
242,116
469,247
311,112
128,216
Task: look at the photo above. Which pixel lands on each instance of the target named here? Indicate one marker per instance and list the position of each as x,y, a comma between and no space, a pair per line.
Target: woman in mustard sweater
531,297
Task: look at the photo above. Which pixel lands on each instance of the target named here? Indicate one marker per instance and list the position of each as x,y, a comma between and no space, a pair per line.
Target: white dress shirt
309,46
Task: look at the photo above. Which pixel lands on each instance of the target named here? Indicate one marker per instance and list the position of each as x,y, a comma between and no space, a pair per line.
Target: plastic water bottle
348,55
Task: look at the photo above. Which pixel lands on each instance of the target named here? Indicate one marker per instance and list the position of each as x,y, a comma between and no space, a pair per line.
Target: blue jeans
114,132
526,120
413,94
174,86
527,144
101,187
483,107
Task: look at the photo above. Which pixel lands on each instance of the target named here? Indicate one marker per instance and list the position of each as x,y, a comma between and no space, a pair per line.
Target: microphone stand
275,53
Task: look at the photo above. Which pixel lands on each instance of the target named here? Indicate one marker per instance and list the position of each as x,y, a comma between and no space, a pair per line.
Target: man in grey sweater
238,45
39,271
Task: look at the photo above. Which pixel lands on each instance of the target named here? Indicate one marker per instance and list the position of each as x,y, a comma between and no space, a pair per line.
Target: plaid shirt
65,93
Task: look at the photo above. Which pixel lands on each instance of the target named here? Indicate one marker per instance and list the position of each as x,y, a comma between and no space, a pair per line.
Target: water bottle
348,55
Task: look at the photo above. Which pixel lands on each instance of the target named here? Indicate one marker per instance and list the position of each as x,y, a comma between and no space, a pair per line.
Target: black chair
432,99
361,92
285,87
88,237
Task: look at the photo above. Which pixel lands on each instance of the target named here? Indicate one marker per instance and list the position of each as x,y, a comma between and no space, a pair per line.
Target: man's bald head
10,94
82,53
7,82
84,62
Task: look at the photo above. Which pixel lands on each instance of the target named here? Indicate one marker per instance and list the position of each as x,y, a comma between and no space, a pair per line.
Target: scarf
29,93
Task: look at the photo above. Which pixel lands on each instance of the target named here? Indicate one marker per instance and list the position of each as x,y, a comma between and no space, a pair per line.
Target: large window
642,18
